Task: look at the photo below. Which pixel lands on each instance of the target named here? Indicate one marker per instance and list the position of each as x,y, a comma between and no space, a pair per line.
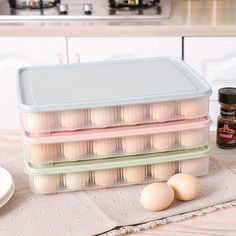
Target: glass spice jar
226,127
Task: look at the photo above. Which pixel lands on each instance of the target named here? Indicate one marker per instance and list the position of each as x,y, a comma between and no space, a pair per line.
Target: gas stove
86,10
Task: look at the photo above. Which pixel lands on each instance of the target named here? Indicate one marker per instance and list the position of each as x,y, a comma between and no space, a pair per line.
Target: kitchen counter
188,18
11,159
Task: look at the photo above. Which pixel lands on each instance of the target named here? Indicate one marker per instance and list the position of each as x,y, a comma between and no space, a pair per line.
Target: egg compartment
66,98
40,123
118,172
51,153
117,142
46,123
179,109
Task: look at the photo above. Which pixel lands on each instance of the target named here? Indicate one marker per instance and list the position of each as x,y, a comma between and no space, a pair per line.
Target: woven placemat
114,211
122,205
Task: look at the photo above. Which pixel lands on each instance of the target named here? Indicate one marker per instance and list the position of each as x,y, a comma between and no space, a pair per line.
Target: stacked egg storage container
95,125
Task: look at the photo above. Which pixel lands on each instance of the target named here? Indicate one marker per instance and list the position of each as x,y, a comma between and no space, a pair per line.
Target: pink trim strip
124,131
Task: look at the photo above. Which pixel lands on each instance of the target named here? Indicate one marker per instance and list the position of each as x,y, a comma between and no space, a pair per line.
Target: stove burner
38,4
125,5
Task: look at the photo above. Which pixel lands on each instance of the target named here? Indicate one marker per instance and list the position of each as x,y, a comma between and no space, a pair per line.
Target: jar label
226,135
227,112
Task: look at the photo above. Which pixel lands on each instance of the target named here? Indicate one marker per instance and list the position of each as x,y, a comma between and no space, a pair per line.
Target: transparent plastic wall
53,183
49,153
45,123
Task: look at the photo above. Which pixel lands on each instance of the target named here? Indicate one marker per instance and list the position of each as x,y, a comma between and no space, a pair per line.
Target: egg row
102,148
116,177
71,120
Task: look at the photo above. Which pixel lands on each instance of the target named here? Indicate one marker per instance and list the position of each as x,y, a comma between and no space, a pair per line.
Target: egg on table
156,196
186,187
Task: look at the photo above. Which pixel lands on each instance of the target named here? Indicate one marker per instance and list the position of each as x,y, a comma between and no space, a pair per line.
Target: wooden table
222,222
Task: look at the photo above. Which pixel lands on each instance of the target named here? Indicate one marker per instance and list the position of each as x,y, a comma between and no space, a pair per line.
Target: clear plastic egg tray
117,142
97,95
118,172
43,123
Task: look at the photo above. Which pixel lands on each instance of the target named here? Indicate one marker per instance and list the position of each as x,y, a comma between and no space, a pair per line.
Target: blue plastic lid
104,84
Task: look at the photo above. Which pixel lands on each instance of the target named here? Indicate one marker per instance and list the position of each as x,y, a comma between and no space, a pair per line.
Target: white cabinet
96,49
214,58
16,52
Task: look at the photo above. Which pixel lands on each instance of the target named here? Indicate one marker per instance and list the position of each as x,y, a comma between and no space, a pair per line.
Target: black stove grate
124,4
40,4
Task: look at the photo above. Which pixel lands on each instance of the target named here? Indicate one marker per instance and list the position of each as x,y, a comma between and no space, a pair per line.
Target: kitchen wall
213,58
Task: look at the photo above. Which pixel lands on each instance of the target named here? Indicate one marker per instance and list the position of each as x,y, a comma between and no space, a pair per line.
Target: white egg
134,174
106,178
46,183
194,138
197,166
163,171
162,111
186,187
40,122
75,150
102,117
76,181
44,153
133,113
163,141
193,108
73,119
156,197
104,147
134,144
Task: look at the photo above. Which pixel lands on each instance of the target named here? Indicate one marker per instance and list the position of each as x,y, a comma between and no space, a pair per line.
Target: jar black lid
227,95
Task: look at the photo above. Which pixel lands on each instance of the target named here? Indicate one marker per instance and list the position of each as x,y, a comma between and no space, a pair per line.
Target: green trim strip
119,162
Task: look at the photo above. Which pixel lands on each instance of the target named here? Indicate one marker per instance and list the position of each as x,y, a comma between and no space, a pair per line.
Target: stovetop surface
101,11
